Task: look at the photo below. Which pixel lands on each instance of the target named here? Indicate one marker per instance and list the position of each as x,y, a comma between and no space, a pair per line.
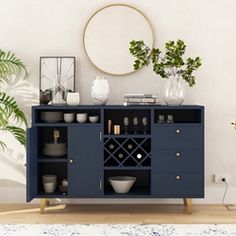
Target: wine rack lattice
127,152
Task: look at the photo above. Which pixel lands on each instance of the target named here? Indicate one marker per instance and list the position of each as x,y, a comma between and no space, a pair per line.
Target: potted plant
170,65
10,113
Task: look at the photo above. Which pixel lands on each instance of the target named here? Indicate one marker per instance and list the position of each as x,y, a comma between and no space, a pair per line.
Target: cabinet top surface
56,107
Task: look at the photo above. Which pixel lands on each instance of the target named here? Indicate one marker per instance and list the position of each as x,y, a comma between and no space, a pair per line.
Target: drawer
177,184
178,160
177,136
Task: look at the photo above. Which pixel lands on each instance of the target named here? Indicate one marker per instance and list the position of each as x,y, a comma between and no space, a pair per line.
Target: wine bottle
139,156
120,155
130,146
111,146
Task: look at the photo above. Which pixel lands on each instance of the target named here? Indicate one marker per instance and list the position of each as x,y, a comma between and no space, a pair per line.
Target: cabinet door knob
71,161
177,154
177,177
177,131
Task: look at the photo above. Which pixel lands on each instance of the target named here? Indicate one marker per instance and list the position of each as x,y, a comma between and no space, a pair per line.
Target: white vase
100,91
73,99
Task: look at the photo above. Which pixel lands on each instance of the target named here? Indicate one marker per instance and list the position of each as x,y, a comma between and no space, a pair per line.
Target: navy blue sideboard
167,159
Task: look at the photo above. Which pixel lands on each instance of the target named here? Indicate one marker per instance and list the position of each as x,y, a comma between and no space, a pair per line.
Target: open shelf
179,116
117,118
91,112
141,186
55,168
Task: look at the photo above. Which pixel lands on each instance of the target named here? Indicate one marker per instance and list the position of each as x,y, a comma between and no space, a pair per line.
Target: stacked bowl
55,149
49,183
51,116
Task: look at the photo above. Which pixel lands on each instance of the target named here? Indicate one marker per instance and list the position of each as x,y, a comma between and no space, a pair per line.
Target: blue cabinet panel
181,160
177,136
31,163
85,161
177,184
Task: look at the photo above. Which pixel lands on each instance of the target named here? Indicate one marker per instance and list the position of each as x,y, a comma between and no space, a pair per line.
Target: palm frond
11,65
10,109
3,145
18,133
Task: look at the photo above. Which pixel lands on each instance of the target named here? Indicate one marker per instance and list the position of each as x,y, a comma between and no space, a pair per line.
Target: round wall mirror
107,36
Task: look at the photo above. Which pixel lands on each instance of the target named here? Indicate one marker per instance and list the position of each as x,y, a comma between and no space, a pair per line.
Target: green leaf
9,109
18,133
11,65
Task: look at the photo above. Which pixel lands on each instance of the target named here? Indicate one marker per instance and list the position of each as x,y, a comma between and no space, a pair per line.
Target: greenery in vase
10,113
170,63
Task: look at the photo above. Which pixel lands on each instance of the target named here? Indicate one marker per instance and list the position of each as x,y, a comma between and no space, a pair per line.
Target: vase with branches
170,65
11,116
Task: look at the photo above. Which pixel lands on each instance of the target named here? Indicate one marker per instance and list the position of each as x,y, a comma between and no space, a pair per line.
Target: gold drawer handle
177,131
178,177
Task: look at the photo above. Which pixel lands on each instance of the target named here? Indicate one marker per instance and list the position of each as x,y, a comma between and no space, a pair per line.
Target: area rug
117,230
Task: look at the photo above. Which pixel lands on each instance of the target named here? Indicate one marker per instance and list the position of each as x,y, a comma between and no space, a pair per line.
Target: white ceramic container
93,119
100,91
82,117
73,99
69,117
122,184
49,187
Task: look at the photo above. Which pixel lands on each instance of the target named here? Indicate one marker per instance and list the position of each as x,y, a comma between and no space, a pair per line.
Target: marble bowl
122,184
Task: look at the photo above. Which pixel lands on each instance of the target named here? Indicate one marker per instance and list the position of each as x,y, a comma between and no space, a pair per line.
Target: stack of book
141,99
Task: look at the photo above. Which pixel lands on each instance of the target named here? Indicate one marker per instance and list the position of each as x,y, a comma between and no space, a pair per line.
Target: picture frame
57,78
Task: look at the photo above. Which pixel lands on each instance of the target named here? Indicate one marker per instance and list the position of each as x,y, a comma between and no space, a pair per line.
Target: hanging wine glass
145,124
135,123
126,124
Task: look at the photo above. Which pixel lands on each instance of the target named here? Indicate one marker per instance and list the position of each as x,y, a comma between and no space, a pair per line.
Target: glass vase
174,91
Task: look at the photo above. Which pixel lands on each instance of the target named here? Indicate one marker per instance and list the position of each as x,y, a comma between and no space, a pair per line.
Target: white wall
55,27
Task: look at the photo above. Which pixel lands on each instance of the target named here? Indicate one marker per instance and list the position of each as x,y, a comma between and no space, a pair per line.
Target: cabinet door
31,163
85,161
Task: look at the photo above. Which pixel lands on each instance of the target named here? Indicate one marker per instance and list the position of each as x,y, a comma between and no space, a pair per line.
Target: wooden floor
115,214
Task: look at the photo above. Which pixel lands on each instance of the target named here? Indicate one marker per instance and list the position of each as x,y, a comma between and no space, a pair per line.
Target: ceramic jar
73,99
100,91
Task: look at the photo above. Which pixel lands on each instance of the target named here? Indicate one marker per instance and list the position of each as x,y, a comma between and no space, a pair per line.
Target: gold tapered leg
43,203
188,205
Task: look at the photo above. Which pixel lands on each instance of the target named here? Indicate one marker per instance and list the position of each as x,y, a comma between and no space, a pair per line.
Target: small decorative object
69,117
126,124
57,78
135,124
116,129
73,99
93,119
82,117
64,182
170,119
122,184
171,65
56,135
109,126
100,91
145,123
141,99
161,119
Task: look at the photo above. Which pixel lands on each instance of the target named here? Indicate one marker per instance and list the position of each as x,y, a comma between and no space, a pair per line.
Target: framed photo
57,78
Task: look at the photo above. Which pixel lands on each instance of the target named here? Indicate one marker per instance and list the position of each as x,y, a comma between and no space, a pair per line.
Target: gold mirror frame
112,5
